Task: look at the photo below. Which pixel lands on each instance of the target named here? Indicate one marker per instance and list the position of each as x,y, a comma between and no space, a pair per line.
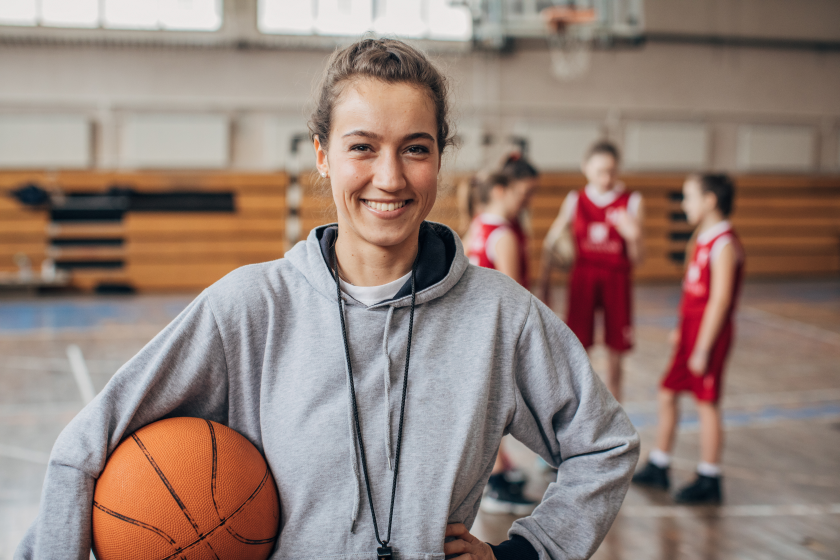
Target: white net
570,51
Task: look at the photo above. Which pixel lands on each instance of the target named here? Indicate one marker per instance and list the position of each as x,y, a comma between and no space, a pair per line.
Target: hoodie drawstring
387,387
354,460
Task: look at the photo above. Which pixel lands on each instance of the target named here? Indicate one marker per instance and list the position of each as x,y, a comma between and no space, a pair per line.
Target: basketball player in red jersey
497,240
605,220
710,292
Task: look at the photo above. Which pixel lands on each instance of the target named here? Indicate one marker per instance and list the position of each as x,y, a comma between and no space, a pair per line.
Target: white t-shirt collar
604,199
370,295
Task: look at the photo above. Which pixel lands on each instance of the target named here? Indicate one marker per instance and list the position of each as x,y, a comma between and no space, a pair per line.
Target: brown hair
390,61
603,147
720,185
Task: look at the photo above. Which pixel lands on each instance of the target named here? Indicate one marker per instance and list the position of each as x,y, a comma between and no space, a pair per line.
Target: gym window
176,15
418,19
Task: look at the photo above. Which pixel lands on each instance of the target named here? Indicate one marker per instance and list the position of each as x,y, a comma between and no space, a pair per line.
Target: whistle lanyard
383,552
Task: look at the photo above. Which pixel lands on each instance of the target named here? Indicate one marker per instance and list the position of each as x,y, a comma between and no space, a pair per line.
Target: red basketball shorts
592,288
679,378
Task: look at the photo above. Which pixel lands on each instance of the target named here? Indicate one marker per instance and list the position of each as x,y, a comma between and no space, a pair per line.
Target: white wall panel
668,146
776,148
28,141
168,140
468,155
560,146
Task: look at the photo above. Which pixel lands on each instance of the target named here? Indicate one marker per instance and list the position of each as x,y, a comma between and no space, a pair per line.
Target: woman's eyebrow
375,136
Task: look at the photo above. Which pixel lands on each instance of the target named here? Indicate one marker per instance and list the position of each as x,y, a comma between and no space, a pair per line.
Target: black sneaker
653,477
704,490
504,495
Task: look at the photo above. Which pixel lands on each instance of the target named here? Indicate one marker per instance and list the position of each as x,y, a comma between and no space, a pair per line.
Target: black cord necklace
383,552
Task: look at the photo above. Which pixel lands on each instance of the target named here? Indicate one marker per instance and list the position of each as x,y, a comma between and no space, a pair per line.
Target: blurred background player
710,292
605,221
497,240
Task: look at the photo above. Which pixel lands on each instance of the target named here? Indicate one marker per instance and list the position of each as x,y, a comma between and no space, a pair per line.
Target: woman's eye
418,150
360,148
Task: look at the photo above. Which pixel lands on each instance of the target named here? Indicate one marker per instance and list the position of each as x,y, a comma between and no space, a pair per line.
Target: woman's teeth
385,206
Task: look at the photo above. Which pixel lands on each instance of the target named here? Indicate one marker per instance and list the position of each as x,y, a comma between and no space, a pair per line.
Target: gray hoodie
261,351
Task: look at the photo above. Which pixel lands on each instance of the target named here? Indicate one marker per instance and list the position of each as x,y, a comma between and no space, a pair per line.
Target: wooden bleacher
790,226
149,251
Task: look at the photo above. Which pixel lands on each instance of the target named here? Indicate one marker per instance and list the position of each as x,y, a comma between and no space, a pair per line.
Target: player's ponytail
517,167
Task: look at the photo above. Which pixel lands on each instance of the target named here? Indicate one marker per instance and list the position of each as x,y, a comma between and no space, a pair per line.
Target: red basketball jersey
481,229
698,276
597,241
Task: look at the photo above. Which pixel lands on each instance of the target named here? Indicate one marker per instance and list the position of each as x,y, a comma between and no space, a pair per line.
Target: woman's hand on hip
465,546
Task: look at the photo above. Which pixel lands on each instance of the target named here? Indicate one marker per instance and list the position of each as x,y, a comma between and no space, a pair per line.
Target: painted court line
791,325
731,511
22,454
81,373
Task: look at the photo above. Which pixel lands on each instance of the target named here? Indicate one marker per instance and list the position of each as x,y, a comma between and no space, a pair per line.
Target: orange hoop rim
558,17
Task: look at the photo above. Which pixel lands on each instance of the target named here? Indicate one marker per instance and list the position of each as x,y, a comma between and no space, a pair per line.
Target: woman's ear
321,161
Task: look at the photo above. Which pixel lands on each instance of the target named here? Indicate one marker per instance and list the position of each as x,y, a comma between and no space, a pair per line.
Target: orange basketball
185,488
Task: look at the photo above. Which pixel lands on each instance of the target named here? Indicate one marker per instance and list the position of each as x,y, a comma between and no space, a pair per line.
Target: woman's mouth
385,206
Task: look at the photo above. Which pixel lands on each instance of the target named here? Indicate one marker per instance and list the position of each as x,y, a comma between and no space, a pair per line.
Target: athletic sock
711,470
660,458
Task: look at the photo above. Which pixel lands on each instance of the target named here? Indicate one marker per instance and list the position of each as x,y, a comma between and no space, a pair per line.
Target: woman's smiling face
382,160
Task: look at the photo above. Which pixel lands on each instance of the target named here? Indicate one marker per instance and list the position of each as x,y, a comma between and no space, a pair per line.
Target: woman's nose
388,173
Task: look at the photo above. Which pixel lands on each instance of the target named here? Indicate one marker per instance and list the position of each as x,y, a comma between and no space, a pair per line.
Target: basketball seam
136,522
213,476
166,483
202,537
246,540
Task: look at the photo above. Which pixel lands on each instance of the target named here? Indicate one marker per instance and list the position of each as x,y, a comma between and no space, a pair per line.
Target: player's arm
720,296
562,222
507,255
629,226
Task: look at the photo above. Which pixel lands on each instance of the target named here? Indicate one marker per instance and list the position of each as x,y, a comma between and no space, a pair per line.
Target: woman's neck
361,263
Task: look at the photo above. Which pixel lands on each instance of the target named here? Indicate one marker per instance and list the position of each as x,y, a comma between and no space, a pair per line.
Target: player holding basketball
496,240
710,292
375,368
606,223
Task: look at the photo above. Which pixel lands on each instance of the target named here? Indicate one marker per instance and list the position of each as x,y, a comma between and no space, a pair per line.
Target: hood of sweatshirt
441,263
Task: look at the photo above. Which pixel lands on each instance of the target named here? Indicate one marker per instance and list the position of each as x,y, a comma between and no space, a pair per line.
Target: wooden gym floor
782,409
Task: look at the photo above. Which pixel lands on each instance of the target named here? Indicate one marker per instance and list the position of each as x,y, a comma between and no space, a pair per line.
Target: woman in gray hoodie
374,367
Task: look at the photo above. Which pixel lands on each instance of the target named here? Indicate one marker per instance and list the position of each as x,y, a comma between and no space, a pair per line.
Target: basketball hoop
569,39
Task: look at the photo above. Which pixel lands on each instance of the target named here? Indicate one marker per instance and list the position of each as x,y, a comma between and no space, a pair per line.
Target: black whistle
384,553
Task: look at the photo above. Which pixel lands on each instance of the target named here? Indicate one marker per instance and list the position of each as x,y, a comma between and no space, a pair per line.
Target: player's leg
706,488
655,472
711,433
616,294
615,373
580,312
707,389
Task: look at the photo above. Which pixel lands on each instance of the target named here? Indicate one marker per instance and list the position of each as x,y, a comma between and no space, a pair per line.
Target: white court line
22,454
81,373
731,511
791,325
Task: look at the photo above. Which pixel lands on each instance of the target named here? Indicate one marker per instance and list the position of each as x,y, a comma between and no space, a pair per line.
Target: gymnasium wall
82,114
734,108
